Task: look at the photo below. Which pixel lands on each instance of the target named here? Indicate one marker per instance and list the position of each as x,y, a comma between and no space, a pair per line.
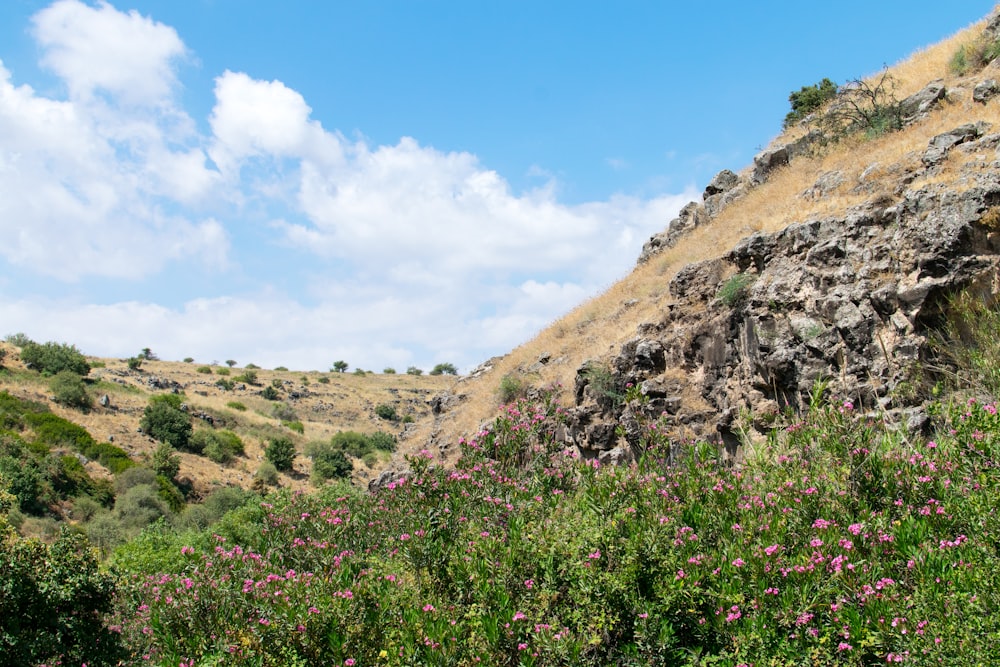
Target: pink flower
595,555
528,583
518,616
349,662
739,562
428,607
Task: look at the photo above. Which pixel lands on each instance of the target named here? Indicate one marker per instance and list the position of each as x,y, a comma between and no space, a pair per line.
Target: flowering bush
844,543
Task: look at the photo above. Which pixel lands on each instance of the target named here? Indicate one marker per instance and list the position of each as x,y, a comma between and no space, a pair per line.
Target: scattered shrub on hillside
188,360
329,462
512,387
267,474
220,446
18,340
974,56
230,362
323,379
165,461
206,370
808,99
339,366
413,370
134,363
236,405
248,376
225,384
51,358
281,368
165,421
139,507
295,425
967,347
252,367
68,389
444,369
871,108
389,370
136,476
283,412
360,371
281,452
387,412
607,390
352,443
270,393
222,371
735,290
382,441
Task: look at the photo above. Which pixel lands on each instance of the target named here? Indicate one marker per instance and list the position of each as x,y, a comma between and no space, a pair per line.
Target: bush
225,385
389,370
188,360
975,56
205,370
329,462
386,412
165,461
164,420
281,452
339,366
512,387
18,340
230,362
352,443
323,379
281,368
68,389
295,425
809,99
236,405
382,441
444,369
413,370
267,474
134,363
248,376
53,602
219,446
734,291
270,393
51,358
869,107
222,371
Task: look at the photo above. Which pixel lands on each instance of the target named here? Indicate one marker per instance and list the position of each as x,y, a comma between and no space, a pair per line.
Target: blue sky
388,183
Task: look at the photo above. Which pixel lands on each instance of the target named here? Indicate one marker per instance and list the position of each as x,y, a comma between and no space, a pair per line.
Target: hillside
922,197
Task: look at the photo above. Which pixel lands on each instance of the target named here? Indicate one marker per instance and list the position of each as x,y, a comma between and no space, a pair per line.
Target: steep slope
824,260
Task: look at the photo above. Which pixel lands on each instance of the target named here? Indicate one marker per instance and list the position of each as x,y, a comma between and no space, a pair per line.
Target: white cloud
415,255
100,48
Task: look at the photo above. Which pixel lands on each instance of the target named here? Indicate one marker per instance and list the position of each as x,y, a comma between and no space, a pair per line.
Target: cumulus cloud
392,254
101,48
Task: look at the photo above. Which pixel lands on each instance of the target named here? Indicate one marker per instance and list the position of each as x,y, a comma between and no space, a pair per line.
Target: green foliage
18,340
3,355
606,388
283,412
413,370
51,358
188,360
281,452
270,393
444,369
329,462
512,387
134,363
225,384
382,441
281,368
267,474
220,446
869,107
164,420
389,370
387,412
138,508
339,366
165,461
248,376
236,405
294,425
222,371
230,362
360,371
253,367
68,389
808,99
323,379
735,290
967,348
147,354
205,370
54,431
974,56
53,603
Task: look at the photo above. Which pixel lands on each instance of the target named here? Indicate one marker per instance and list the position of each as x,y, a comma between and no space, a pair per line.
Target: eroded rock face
847,300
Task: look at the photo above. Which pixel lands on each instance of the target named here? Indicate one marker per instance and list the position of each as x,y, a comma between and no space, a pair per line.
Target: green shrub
606,388
413,370
54,600
50,358
136,476
382,441
323,379
68,389
389,370
267,473
387,412
18,340
225,385
360,371
329,462
139,507
188,360
222,371
351,442
230,362
220,446
512,387
134,363
248,376
281,452
296,426
444,369
165,421
281,368
866,106
252,367
165,461
205,370
283,412
809,99
734,291
339,366
270,393
973,57
236,405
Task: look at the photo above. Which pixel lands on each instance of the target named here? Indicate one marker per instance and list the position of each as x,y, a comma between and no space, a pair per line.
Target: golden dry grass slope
344,401
597,328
